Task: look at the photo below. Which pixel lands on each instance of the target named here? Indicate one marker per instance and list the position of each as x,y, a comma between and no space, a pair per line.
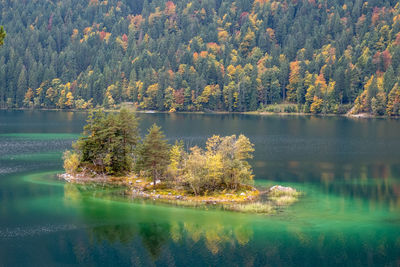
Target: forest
314,56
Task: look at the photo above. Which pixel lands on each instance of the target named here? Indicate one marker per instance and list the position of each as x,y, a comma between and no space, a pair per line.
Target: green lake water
348,169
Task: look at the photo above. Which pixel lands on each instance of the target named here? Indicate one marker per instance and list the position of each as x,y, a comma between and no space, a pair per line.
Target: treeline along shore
306,56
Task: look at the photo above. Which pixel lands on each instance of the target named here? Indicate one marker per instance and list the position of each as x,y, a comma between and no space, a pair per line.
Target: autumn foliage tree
2,35
393,106
222,165
295,81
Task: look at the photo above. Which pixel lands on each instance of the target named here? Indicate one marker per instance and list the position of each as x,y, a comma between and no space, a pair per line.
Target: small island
111,152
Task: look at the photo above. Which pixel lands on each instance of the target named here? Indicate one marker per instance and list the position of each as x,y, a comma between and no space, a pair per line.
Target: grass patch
284,200
255,207
283,196
280,108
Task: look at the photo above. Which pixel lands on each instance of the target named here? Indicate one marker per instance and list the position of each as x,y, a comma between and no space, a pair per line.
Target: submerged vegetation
111,152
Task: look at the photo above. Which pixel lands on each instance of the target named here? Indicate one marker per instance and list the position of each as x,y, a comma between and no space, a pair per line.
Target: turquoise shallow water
348,169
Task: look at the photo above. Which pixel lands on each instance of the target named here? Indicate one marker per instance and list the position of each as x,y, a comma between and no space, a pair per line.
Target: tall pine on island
154,154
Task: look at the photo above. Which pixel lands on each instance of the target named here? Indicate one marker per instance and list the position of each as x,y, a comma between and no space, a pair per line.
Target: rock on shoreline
282,188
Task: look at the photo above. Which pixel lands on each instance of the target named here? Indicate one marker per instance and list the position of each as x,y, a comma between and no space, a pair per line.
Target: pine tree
154,154
22,87
389,79
127,123
110,141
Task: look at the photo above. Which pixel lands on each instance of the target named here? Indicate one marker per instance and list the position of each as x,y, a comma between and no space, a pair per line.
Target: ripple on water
7,170
10,233
30,152
17,146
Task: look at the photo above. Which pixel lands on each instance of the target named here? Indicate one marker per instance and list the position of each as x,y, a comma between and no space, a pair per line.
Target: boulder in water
282,188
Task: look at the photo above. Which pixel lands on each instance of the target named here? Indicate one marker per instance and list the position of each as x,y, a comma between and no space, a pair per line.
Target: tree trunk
194,189
154,175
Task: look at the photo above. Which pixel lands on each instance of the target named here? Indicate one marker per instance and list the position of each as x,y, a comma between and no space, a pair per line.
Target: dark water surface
350,215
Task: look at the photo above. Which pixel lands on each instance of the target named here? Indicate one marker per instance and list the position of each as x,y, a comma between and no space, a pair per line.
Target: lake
348,169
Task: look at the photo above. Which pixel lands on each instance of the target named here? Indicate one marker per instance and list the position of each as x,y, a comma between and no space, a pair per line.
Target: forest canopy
317,56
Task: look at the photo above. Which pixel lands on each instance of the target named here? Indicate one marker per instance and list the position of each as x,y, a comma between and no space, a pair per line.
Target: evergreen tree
22,86
109,141
389,79
153,154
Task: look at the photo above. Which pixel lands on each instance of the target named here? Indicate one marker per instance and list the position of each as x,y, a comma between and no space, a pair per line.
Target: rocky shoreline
143,188
245,200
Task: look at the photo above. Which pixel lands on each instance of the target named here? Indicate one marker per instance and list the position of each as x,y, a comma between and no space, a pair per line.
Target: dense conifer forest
314,56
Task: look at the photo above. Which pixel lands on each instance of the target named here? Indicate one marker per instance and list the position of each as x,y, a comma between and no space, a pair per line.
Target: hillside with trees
315,56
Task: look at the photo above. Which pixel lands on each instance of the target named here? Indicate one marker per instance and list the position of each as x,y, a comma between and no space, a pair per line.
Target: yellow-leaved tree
294,81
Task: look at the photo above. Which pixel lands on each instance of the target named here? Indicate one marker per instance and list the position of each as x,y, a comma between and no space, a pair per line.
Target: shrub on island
221,166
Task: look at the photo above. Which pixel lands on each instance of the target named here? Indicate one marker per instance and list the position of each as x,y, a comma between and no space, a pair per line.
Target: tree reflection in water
153,234
159,235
